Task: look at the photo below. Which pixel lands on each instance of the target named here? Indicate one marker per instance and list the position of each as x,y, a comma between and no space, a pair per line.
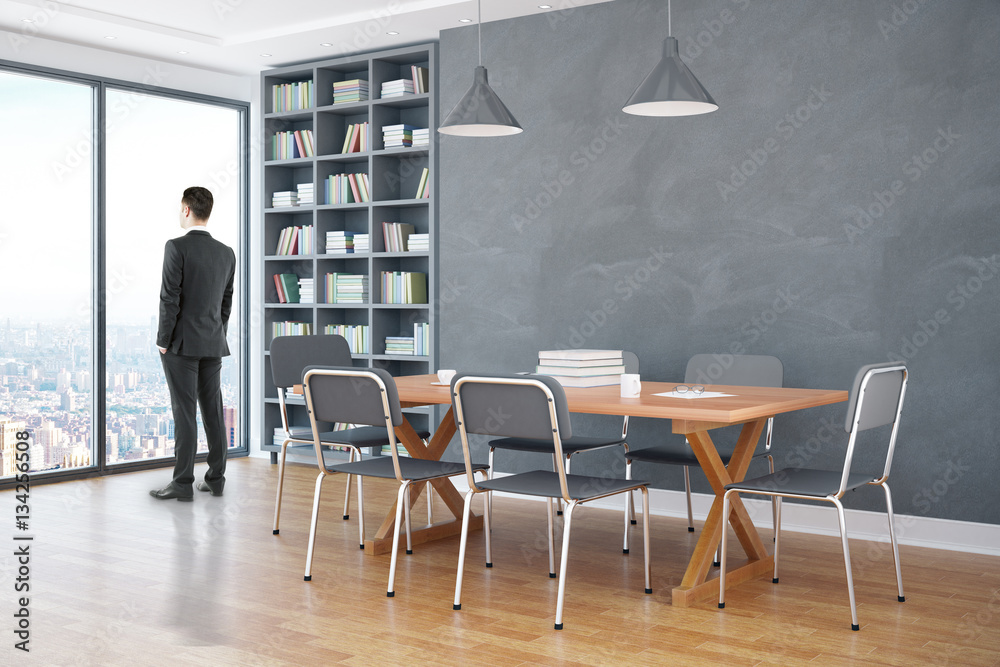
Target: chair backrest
351,395
513,406
291,354
631,362
747,370
876,399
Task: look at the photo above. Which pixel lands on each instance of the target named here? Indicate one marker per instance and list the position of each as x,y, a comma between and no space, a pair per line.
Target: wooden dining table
692,418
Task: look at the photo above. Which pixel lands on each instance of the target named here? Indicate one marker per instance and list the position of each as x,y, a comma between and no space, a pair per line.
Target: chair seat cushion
803,482
545,483
569,445
411,468
680,454
362,436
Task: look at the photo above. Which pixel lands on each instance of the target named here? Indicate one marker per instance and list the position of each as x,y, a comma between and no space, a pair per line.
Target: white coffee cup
445,376
631,387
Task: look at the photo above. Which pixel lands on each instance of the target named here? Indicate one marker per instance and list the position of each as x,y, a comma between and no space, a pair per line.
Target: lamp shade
480,113
670,89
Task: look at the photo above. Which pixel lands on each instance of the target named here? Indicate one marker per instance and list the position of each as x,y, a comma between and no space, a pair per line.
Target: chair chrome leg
687,492
429,490
281,482
312,528
487,528
722,548
847,562
466,511
776,500
559,502
564,560
406,520
347,488
550,530
645,536
402,501
628,524
895,547
489,475
361,510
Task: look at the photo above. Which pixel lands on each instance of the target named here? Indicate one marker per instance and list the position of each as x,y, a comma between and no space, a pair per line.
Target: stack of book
291,329
404,287
582,368
295,241
421,80
346,288
353,90
340,243
306,293
397,88
396,235
306,193
421,137
357,336
361,243
292,144
424,187
418,243
347,188
394,136
416,345
356,139
399,345
287,287
292,96
284,198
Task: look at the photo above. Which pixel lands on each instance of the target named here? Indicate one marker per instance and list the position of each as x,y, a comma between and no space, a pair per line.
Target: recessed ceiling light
265,55
27,20
326,44
183,53
545,6
465,20
110,37
392,32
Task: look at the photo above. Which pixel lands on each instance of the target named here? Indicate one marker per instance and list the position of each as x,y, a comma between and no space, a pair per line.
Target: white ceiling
232,35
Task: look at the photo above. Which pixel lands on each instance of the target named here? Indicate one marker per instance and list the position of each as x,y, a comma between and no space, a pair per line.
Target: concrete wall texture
840,208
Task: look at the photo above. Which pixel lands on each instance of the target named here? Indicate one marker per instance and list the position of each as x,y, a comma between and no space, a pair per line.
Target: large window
92,176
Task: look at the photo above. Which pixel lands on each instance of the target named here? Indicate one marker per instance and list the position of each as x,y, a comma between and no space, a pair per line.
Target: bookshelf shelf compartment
394,174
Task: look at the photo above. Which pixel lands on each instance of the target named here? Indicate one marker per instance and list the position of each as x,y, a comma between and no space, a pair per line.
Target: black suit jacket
196,295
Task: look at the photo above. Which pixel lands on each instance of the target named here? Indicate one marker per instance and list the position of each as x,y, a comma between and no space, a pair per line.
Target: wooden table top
746,404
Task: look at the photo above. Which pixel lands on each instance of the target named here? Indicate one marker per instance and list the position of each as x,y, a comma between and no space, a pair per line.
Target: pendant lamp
480,113
670,89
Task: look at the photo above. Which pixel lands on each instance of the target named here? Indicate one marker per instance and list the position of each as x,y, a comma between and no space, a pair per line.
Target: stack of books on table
396,235
353,90
361,243
356,335
418,243
394,136
287,287
306,290
346,288
340,243
284,198
421,137
582,368
306,194
397,88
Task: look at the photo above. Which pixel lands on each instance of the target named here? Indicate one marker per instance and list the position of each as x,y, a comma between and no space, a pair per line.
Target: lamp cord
670,30
479,12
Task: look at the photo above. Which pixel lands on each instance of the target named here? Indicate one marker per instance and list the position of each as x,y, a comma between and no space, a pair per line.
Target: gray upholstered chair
367,396
575,444
534,407
748,370
876,400
289,356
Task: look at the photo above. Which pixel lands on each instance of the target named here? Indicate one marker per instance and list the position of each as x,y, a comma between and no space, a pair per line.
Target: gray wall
865,230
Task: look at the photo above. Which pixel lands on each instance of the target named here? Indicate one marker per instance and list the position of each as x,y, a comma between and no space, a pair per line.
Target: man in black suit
196,297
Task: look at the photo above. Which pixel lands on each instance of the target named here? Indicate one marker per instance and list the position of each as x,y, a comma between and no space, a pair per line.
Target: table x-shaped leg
696,586
406,434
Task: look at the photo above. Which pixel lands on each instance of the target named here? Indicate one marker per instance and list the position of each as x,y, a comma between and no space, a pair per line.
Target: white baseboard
979,538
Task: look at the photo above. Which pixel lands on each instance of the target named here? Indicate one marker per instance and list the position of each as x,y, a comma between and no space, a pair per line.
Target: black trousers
195,381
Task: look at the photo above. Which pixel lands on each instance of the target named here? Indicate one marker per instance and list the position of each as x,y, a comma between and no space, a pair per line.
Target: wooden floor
118,578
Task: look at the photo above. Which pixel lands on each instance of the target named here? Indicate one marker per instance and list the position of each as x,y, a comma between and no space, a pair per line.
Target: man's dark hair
199,200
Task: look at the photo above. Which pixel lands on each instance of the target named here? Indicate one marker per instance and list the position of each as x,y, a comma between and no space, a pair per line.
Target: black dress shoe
170,492
214,489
